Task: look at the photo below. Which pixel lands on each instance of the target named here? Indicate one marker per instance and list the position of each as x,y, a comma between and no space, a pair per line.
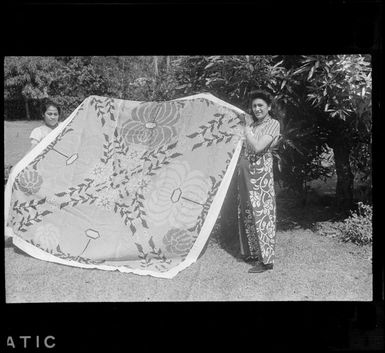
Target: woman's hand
248,131
242,119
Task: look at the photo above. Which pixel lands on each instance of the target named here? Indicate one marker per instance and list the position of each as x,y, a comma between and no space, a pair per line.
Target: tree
339,87
229,77
28,78
67,80
76,79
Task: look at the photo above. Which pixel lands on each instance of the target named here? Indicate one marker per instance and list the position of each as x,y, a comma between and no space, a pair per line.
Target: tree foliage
339,87
28,77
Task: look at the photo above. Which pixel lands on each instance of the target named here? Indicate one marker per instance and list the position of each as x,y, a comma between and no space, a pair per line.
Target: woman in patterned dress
256,206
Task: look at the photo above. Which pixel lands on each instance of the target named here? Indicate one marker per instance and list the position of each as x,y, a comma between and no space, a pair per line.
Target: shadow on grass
9,244
292,213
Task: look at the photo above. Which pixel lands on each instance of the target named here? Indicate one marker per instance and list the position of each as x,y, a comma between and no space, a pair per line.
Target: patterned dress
256,205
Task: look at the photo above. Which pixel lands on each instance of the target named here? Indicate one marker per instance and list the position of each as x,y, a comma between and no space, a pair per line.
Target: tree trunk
27,108
167,63
123,76
156,66
345,177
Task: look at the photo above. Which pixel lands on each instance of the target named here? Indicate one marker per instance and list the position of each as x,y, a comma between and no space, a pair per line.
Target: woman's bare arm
33,143
260,144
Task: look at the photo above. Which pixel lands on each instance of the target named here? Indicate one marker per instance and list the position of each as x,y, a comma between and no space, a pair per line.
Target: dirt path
308,267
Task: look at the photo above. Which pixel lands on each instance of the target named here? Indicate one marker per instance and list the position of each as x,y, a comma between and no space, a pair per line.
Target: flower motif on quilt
178,195
47,236
178,241
255,198
137,182
152,124
132,159
53,202
106,198
101,172
29,181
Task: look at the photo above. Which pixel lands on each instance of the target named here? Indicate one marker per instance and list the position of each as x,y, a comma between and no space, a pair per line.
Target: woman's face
51,116
260,108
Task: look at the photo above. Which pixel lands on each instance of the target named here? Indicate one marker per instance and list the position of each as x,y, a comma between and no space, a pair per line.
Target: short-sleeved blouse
40,132
268,127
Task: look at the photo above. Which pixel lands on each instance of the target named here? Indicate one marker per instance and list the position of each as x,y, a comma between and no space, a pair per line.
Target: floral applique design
152,124
178,195
29,181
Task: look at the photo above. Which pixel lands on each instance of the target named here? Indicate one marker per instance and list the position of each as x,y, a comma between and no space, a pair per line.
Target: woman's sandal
260,267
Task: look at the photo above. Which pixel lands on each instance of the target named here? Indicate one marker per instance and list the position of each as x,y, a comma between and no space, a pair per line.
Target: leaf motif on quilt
217,130
178,195
151,124
104,108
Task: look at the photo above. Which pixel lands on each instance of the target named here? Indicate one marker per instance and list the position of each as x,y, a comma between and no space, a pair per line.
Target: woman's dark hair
49,103
261,94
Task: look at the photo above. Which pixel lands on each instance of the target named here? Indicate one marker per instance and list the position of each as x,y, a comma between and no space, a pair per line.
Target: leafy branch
66,256
158,254
108,150
204,130
82,199
25,206
102,108
155,154
137,202
83,187
31,219
146,260
120,146
125,212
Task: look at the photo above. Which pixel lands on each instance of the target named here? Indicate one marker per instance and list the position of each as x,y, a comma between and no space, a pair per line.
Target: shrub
358,227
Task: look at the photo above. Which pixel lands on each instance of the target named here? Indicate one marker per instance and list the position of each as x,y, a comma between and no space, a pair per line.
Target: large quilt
125,185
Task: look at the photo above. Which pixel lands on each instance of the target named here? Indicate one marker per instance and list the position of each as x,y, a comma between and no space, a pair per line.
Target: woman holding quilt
256,206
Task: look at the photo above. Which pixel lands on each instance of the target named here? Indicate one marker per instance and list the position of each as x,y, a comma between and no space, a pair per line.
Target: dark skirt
256,208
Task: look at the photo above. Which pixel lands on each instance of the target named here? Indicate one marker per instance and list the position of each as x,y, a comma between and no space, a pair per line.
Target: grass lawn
308,266
16,139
